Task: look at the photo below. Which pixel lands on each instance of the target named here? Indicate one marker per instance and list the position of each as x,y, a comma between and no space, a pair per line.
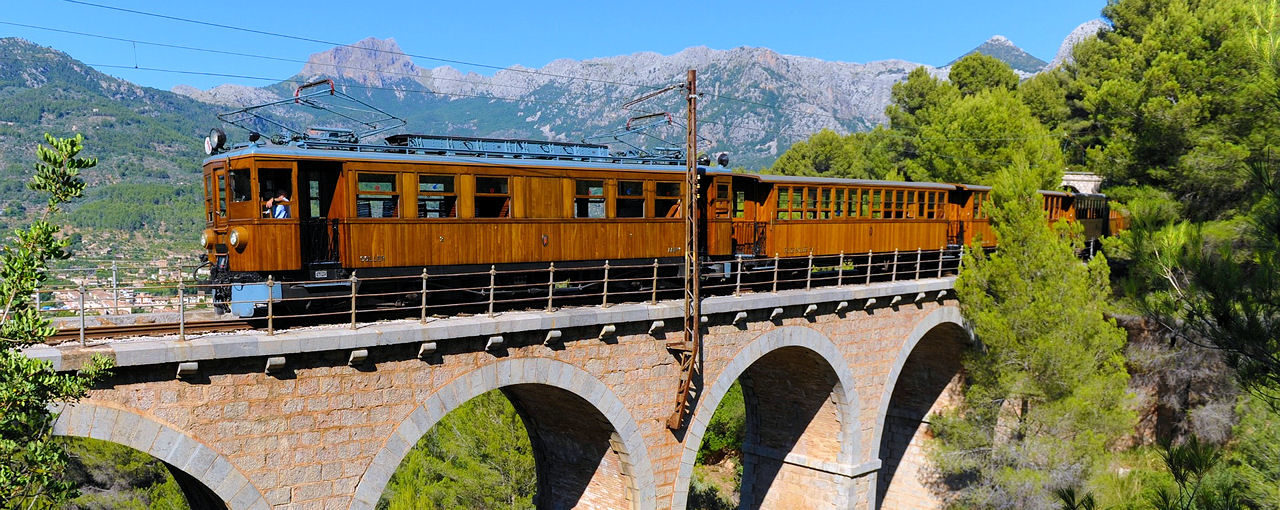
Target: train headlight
238,237
205,238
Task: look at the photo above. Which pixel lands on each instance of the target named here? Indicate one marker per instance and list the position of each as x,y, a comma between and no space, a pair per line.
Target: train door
748,230
959,212
317,184
217,203
718,222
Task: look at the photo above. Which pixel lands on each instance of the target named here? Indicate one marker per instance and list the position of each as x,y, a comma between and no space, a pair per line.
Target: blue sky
504,33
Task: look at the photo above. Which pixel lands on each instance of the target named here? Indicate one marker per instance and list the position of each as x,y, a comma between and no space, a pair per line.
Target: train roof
784,179
492,151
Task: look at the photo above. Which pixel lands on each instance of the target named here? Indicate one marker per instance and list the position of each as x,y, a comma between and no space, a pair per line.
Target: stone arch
199,470
793,340
931,356
517,377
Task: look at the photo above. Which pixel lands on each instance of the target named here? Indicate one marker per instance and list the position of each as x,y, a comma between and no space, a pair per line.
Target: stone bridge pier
838,382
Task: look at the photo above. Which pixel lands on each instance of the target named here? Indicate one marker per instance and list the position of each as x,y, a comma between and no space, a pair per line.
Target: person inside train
278,206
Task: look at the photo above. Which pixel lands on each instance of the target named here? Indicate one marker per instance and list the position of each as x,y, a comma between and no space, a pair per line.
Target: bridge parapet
782,304
328,425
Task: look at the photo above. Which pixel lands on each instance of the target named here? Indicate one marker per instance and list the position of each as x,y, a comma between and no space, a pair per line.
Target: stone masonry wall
326,435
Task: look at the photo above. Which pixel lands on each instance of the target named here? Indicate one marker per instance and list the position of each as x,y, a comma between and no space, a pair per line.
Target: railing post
941,254
870,256
840,272
775,271
423,318
354,282
653,300
182,310
551,284
115,289
604,302
82,312
808,275
893,270
737,284
917,262
493,276
271,299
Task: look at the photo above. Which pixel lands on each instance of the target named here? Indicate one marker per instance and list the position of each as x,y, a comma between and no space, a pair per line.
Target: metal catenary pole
691,350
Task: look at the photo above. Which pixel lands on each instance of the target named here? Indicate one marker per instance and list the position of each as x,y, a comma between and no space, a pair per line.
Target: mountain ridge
1002,48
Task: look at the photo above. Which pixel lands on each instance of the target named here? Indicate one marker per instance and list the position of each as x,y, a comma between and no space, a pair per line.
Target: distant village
120,289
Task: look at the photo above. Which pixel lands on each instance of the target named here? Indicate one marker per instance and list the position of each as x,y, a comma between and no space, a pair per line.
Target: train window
241,190
797,203
376,196
222,195
722,192
436,197
811,203
588,199
630,200
839,204
739,204
667,202
208,196
855,203
825,211
784,202
493,197
877,204
272,183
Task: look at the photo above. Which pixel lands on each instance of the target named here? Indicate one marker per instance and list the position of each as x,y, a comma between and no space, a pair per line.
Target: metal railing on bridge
189,305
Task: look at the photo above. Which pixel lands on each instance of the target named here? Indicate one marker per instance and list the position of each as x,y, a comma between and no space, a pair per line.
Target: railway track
149,329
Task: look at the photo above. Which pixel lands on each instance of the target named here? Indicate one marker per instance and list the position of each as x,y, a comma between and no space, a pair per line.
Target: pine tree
1046,387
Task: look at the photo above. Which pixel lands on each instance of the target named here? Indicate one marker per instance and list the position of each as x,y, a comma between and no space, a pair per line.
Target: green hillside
148,143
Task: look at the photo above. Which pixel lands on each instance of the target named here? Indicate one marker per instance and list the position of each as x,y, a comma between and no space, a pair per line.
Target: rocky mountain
1003,49
755,103
1084,31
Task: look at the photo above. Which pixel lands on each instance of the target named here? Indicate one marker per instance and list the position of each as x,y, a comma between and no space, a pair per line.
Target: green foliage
727,429
959,131
977,72
32,465
972,138
120,477
58,171
478,456
1171,97
1254,456
1046,390
1189,464
866,155
133,207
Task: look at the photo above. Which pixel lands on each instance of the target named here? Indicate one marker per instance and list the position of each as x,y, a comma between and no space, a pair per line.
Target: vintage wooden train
315,210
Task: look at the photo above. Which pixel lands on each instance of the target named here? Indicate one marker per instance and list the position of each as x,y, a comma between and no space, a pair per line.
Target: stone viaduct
838,383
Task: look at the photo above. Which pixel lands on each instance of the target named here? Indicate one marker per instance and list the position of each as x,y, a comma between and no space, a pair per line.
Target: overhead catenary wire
777,133
480,65
344,45
249,55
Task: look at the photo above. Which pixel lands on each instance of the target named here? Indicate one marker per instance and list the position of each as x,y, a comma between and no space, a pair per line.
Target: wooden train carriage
381,211
1094,215
827,216
969,221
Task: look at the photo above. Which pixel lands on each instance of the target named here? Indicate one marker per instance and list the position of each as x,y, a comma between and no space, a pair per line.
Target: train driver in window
278,206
